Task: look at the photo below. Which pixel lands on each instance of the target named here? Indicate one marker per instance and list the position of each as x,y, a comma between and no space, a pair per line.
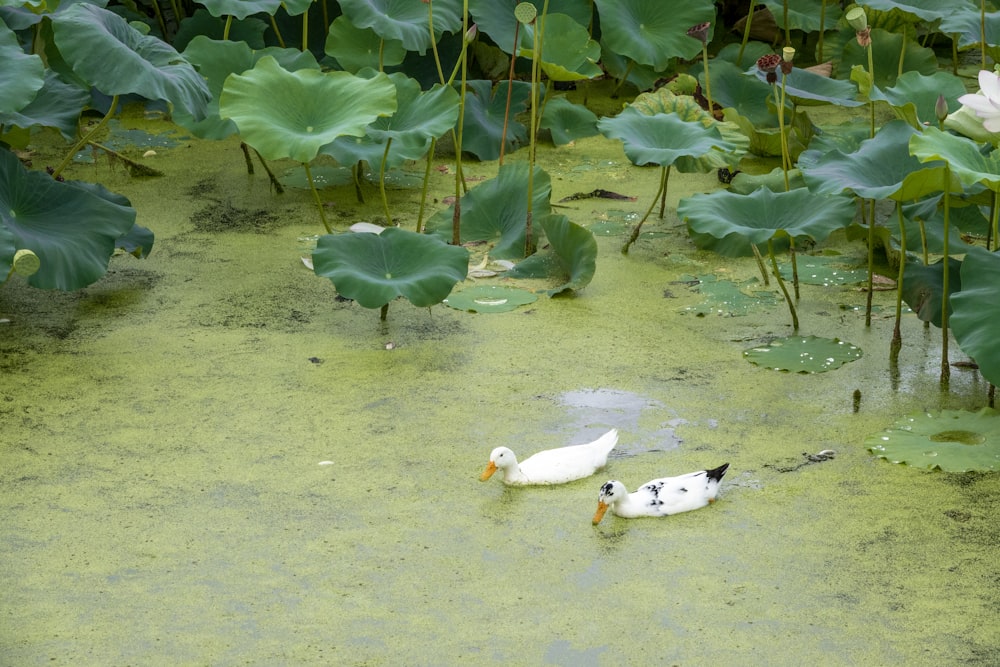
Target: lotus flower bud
470,34
941,108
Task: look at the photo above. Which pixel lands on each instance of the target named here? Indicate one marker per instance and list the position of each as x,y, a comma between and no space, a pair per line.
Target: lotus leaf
806,88
962,155
661,138
249,30
826,271
72,227
886,50
420,117
976,311
725,297
405,21
216,60
746,95
357,48
881,168
923,288
569,54
949,440
497,210
573,255
489,299
292,114
762,214
566,121
915,95
57,104
925,10
117,59
966,22
22,75
484,117
496,19
804,354
374,269
240,8
644,32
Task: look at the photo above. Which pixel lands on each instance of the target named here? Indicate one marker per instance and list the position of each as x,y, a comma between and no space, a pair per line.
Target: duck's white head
610,493
501,458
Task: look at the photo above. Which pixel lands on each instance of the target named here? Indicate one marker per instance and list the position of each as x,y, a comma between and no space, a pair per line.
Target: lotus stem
760,263
225,30
780,103
982,33
746,34
945,366
270,174
529,240
87,138
871,262
663,190
277,32
305,30
781,284
652,205
510,90
897,337
319,202
381,182
423,191
708,83
795,265
788,31
621,81
822,27
992,242
434,47
871,73
456,219
383,313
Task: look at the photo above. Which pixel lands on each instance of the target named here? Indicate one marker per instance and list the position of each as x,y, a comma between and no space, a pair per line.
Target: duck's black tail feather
717,473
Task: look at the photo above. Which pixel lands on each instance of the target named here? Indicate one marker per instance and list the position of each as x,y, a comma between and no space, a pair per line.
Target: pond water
163,500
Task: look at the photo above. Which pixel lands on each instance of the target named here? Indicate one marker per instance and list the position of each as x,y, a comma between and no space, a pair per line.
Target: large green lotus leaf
949,440
923,288
357,48
808,88
58,104
762,214
687,109
915,95
420,117
216,60
405,21
567,121
965,23
21,76
925,10
250,30
484,115
496,19
803,15
569,54
649,33
573,255
803,354
497,210
485,298
661,138
292,114
886,50
747,95
374,269
961,154
72,230
881,168
976,311
240,8
117,59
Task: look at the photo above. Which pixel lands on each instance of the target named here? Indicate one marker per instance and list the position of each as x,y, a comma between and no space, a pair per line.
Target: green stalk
897,337
871,262
434,46
305,30
86,139
277,32
529,241
746,34
781,284
423,191
945,366
381,182
708,84
510,89
663,190
319,202
780,103
652,205
225,31
456,218
760,264
871,73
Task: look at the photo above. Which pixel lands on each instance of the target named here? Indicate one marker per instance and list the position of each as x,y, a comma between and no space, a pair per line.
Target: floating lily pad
949,440
725,297
825,271
803,354
490,299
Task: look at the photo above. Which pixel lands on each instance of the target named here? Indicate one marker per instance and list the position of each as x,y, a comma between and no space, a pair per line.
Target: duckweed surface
162,502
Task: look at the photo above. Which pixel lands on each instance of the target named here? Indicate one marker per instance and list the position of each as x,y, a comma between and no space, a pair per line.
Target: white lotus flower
986,103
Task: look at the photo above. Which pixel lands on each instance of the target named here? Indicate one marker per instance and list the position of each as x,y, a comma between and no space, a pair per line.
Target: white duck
660,497
552,466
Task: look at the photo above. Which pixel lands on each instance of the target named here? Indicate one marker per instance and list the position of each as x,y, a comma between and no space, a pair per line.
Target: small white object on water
367,228
308,261
390,345
149,153
326,463
4,320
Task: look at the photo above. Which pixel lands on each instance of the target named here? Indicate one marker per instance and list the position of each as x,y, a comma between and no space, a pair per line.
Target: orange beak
602,507
490,469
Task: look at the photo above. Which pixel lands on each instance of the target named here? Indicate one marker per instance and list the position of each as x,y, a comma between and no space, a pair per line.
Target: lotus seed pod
525,12
788,54
26,262
857,18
